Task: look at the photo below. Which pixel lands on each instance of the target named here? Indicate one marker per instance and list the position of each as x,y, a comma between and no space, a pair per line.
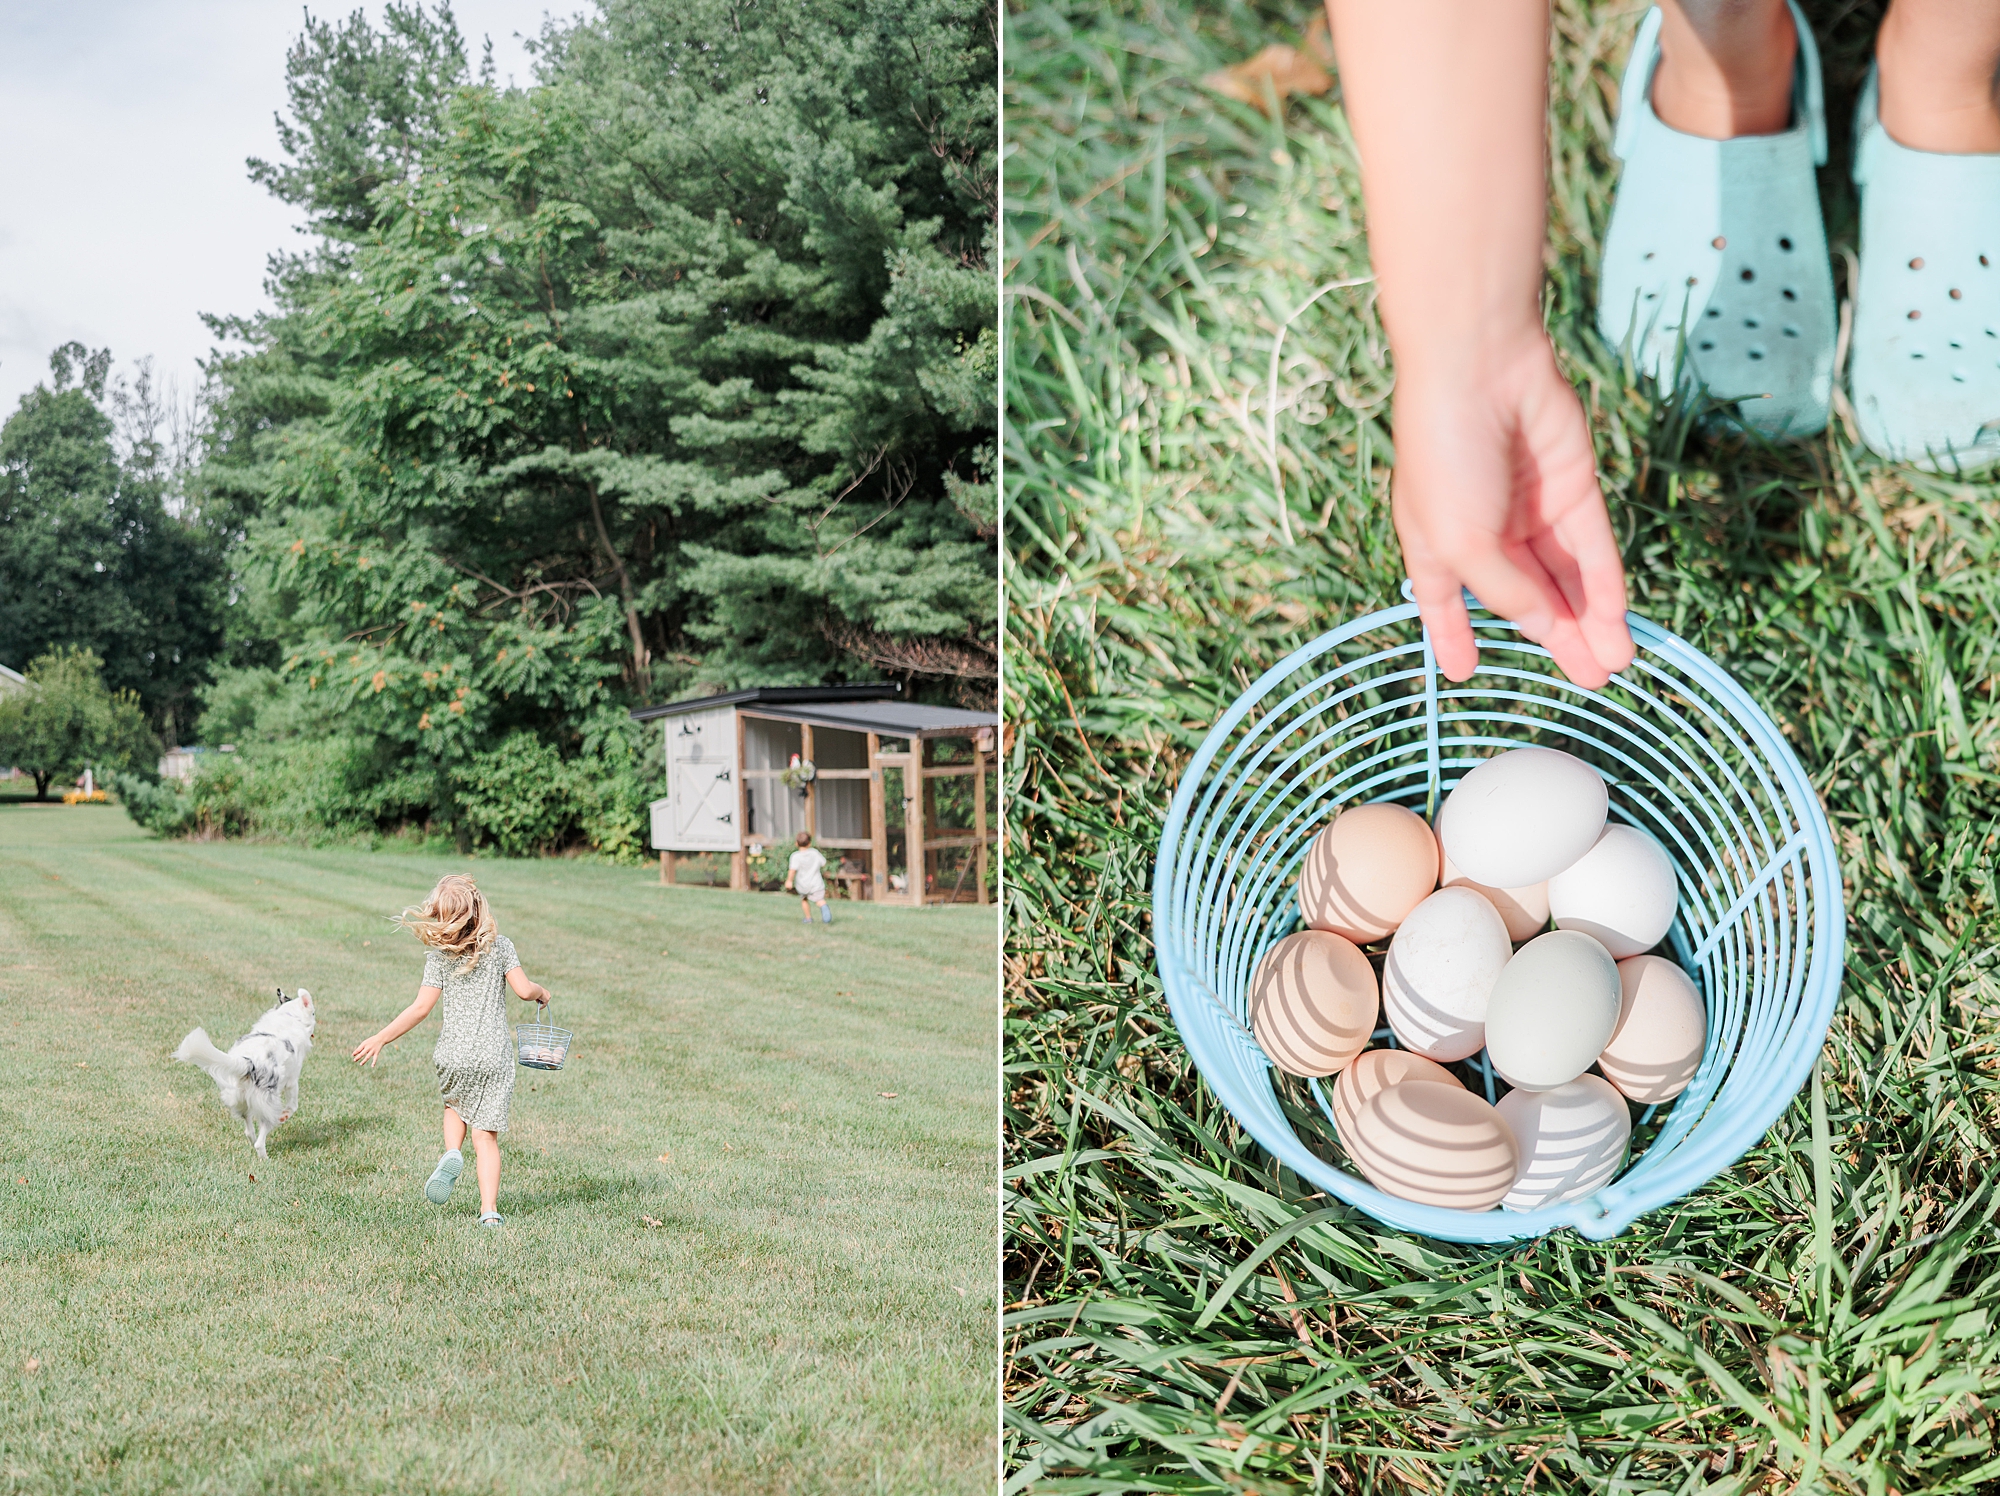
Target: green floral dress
475,1052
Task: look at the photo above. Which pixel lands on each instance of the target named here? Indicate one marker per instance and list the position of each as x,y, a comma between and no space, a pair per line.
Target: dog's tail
197,1050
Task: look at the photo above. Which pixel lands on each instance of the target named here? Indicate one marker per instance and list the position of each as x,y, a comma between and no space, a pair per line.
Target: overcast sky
125,210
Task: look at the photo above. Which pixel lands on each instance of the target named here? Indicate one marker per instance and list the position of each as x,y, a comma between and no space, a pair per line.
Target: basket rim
1613,1208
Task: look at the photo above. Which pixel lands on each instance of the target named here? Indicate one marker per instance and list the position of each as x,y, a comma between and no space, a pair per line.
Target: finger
1514,584
1441,604
1601,575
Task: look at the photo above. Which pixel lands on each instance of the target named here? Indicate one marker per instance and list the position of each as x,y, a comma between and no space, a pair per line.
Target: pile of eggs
1521,841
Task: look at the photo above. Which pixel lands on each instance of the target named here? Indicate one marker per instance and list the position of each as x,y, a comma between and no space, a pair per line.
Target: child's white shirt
805,865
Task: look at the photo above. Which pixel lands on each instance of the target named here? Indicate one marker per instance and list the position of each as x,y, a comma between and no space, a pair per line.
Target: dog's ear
305,999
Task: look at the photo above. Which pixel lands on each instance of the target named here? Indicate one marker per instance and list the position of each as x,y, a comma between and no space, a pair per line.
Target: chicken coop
897,794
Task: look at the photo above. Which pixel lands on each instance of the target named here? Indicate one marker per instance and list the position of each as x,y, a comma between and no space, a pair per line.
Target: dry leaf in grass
886,1095
651,1222
1286,70
666,1158
34,1365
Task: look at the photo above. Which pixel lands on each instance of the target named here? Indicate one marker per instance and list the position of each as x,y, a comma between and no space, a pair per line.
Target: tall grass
1820,1317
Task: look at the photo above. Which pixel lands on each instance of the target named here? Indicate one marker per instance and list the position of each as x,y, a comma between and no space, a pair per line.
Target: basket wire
541,1046
1362,714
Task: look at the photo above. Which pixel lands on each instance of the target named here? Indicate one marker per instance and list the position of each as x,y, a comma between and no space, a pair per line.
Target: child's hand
366,1052
1495,490
1495,484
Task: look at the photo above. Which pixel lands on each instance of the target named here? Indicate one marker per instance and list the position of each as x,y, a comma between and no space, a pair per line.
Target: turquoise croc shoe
1926,370
437,1189
1715,267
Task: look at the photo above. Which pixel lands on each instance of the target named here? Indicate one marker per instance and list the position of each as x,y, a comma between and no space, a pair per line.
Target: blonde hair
455,920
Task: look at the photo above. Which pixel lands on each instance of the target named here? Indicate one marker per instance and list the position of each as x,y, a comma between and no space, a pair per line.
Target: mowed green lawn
730,1263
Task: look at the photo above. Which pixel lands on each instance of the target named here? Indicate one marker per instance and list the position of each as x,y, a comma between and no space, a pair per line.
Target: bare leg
1725,67
486,1145
1938,62
454,1130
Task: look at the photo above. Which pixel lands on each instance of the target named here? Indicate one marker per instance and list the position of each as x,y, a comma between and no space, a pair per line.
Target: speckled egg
1434,1144
1442,964
1622,891
1662,1028
1313,1003
1522,816
1571,1138
1552,1010
1366,871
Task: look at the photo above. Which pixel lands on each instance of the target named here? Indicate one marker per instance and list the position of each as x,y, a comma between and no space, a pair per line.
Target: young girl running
469,966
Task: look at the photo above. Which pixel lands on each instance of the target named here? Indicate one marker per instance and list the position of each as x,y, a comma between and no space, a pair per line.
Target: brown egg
1367,870
1313,1003
1373,1073
1524,910
1662,1027
1434,1144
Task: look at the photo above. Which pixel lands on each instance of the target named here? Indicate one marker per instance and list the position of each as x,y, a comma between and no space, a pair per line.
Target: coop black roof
874,708
880,690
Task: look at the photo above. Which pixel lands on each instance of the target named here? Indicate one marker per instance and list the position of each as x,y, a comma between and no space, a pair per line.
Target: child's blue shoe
1926,372
438,1189
1716,263
826,914
489,1218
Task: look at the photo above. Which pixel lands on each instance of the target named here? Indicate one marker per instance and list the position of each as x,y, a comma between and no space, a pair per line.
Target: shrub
164,808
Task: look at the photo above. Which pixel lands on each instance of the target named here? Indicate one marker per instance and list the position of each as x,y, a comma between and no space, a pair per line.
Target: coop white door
704,808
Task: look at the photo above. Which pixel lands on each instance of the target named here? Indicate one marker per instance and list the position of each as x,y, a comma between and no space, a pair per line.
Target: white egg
1522,817
1552,1011
1442,964
1622,891
1572,1139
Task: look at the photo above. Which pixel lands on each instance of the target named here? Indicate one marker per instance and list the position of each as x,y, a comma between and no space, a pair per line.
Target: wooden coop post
812,800
878,824
666,867
913,820
979,817
739,860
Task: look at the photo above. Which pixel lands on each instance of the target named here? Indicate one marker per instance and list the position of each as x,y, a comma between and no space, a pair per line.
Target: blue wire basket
1362,714
541,1046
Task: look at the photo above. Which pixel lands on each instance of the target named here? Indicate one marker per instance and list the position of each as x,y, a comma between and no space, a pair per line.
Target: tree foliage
67,720
90,557
673,371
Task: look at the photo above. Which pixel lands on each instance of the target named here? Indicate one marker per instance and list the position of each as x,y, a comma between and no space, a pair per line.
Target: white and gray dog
259,1077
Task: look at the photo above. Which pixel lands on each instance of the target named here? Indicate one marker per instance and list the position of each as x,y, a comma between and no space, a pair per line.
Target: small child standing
470,965
803,872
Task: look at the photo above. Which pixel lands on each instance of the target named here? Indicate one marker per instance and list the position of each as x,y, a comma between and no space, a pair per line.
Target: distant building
11,681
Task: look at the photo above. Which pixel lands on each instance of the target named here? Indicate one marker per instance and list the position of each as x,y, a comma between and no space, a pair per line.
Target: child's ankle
1935,99
1725,73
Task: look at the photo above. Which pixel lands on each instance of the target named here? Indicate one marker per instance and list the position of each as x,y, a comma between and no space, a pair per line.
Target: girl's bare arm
527,991
370,1048
1495,487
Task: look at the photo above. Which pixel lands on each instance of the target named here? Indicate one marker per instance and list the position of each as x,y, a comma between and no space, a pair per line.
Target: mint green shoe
438,1189
1715,269
1926,369
489,1218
